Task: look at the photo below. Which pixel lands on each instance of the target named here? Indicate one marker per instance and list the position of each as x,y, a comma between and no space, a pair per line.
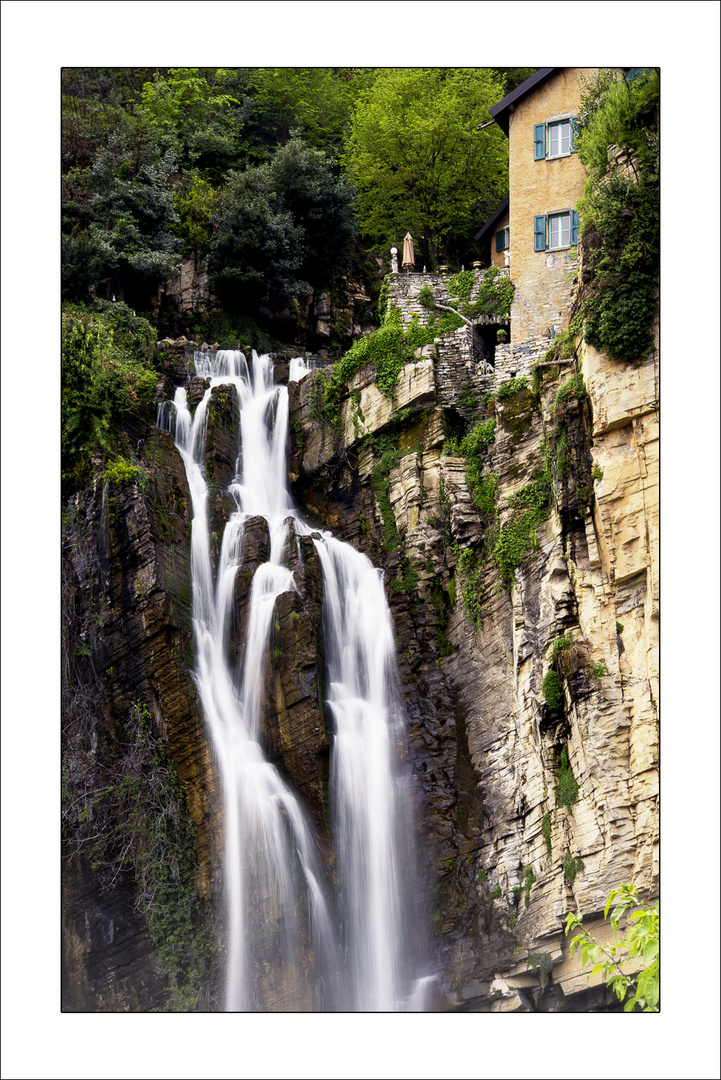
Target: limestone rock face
504,861
503,858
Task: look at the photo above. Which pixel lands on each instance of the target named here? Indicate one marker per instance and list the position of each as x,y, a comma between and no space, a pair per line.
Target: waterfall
276,896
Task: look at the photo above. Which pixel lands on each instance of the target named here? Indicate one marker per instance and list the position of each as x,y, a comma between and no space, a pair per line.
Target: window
553,140
559,138
559,231
503,238
551,232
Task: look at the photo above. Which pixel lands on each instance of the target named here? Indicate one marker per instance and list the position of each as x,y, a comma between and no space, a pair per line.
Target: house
539,226
493,238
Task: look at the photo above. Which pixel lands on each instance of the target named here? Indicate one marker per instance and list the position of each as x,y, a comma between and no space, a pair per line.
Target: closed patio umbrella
409,258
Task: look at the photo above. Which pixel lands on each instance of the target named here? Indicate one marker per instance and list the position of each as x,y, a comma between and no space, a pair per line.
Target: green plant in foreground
598,671
639,939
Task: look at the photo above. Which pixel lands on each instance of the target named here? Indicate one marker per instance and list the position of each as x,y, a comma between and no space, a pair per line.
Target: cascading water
276,900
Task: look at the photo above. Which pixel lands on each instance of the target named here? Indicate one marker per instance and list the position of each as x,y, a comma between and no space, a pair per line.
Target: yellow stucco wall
543,279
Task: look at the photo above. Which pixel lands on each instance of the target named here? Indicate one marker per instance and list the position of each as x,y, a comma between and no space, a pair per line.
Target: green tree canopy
285,224
313,102
419,161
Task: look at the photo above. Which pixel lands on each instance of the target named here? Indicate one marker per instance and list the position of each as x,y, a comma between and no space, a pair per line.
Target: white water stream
277,900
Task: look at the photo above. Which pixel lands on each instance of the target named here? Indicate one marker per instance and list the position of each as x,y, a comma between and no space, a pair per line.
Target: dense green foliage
151,165
241,166
283,224
639,938
620,212
108,372
419,161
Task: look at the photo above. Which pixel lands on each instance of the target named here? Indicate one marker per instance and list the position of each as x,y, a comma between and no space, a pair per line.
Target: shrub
567,790
546,831
512,387
571,390
107,373
552,690
122,472
571,867
564,656
530,507
528,879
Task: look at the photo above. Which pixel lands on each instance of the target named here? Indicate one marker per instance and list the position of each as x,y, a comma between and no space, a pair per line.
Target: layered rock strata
504,857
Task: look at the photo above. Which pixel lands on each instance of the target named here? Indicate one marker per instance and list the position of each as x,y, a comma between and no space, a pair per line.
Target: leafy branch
640,940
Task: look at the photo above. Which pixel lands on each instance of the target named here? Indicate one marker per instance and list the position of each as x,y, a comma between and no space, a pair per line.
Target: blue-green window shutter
539,233
574,227
539,141
573,134
500,240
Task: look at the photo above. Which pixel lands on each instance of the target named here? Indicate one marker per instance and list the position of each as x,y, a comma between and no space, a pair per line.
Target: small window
559,231
551,232
559,138
503,239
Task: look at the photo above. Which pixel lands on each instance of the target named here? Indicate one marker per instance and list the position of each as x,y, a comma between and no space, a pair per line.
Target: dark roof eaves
501,111
488,225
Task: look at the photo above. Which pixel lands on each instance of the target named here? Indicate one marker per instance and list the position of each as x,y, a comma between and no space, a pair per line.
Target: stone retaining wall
404,290
512,361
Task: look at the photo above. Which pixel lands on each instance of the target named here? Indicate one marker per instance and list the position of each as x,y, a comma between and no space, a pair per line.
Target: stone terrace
457,363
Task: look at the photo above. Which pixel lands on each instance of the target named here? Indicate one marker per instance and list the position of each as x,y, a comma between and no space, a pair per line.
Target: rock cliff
528,805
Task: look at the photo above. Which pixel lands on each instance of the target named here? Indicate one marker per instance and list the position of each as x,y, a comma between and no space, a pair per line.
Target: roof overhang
502,111
489,225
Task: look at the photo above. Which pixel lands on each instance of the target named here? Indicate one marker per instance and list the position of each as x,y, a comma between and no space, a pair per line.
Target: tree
419,161
640,939
285,224
314,102
189,113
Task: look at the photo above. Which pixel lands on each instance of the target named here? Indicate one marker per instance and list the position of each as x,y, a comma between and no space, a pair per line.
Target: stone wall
458,355
404,290
514,360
